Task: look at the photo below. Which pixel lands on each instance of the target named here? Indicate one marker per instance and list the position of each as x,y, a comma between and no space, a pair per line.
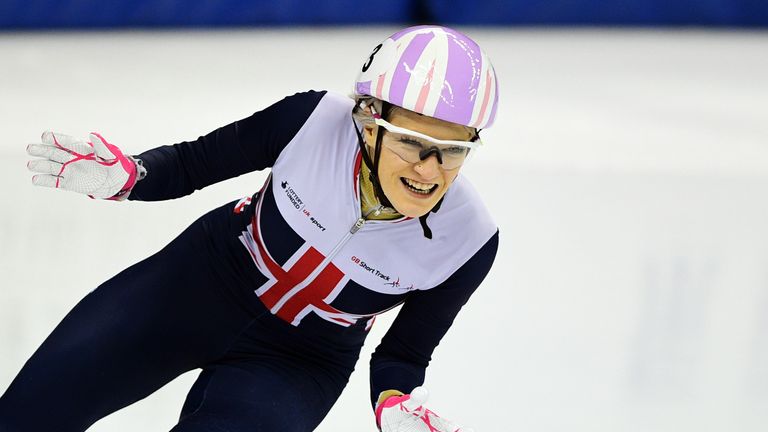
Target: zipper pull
358,224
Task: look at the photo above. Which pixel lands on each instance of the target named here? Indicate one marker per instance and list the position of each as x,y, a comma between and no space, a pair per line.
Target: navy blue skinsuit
192,305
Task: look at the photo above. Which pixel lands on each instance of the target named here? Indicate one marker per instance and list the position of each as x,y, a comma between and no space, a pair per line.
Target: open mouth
424,189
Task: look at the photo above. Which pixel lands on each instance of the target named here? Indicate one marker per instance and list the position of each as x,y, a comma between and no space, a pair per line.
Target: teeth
419,187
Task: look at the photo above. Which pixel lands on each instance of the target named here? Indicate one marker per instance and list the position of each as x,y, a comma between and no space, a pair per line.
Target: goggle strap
397,129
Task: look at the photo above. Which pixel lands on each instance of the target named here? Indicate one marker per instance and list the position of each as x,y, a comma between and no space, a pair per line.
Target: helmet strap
373,167
423,219
375,171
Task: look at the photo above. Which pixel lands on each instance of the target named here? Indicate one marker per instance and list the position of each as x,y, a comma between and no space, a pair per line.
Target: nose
428,168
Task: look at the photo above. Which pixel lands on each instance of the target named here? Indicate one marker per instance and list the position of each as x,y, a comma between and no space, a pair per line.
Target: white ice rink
628,173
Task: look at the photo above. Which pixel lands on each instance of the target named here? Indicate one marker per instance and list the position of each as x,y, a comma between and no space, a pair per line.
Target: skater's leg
273,379
133,334
229,398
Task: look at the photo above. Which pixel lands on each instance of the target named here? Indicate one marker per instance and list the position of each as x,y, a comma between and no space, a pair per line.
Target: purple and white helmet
435,71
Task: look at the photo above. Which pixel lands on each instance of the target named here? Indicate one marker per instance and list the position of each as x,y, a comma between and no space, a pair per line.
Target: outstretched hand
94,167
407,413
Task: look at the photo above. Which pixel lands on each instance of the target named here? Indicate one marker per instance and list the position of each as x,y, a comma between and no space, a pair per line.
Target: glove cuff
388,398
136,171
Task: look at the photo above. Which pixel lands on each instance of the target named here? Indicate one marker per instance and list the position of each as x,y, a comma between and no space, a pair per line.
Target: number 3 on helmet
434,71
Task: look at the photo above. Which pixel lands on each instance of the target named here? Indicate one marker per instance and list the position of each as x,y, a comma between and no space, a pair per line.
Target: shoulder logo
298,203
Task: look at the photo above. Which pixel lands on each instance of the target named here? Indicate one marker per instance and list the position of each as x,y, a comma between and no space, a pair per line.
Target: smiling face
415,188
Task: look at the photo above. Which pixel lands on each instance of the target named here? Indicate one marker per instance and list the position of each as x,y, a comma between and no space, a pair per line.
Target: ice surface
628,172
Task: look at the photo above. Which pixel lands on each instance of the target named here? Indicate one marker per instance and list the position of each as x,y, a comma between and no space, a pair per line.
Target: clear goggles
412,146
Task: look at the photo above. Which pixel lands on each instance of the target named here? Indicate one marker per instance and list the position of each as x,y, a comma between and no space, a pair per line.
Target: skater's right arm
247,145
99,169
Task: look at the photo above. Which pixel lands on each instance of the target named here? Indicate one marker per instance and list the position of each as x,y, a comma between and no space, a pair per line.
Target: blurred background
627,170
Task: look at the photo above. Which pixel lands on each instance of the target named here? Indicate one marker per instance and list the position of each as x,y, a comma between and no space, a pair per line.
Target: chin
413,210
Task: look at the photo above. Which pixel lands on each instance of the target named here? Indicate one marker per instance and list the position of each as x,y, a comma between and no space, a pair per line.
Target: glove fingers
49,152
45,180
66,141
44,166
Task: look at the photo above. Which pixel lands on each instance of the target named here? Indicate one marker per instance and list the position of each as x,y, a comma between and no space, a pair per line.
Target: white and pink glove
95,167
407,413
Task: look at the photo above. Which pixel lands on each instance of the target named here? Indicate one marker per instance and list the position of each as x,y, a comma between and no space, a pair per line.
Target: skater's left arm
400,361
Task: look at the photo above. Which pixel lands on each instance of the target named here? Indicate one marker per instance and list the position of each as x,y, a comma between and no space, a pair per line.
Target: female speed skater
272,295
